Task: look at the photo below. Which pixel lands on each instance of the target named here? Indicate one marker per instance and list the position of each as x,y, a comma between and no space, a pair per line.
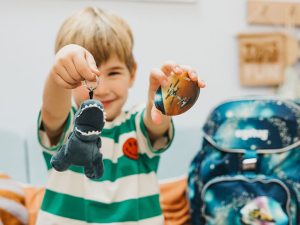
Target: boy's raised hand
160,77
72,65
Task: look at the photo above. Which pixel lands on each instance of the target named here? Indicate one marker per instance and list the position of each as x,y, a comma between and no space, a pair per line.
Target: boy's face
112,91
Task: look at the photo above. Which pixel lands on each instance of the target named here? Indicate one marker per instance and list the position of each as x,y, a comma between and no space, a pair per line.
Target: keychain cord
91,88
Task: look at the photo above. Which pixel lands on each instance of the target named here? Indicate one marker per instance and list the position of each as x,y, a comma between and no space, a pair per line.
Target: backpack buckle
249,164
249,160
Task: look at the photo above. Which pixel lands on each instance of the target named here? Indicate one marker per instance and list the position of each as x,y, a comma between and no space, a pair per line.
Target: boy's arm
156,123
72,65
55,109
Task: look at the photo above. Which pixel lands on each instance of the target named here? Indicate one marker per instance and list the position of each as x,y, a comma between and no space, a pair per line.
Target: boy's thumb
92,64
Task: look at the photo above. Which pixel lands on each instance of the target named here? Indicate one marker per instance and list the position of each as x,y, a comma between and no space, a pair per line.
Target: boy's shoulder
139,108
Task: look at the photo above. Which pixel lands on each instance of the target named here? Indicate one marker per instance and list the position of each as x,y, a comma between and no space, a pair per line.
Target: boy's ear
132,74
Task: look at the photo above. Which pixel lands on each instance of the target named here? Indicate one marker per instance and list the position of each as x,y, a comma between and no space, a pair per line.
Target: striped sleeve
43,138
160,145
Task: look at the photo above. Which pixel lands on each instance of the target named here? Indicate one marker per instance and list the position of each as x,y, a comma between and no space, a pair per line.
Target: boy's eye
113,73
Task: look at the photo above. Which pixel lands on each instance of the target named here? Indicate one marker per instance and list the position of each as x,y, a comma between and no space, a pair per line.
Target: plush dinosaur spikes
83,145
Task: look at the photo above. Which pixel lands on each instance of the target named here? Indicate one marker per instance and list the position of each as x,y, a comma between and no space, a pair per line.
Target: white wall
201,34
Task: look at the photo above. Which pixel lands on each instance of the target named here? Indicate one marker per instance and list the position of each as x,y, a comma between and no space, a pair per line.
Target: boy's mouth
106,104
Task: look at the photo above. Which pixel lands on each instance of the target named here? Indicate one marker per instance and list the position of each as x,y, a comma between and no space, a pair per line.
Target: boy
93,43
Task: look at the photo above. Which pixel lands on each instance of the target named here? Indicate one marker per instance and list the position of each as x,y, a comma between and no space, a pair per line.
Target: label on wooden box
263,58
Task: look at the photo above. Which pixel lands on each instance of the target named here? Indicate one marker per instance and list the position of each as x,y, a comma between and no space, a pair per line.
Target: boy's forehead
113,62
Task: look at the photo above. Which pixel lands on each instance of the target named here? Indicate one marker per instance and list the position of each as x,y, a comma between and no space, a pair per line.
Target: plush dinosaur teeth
104,116
89,106
88,133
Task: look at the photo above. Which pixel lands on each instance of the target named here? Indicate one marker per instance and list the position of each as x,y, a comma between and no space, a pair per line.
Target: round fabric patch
130,148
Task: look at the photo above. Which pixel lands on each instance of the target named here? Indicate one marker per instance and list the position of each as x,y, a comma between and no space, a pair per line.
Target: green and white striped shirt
128,192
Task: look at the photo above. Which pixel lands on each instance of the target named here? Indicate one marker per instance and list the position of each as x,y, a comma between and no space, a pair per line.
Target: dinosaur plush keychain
83,144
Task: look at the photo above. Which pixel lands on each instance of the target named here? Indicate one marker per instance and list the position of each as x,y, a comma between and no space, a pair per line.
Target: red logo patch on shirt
130,148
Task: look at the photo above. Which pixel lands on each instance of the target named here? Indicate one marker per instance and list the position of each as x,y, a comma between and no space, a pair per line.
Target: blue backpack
248,169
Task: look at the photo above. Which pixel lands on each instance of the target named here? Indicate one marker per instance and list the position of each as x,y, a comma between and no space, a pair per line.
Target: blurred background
201,33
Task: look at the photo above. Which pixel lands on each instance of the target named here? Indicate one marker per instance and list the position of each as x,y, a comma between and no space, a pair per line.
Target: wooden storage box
264,57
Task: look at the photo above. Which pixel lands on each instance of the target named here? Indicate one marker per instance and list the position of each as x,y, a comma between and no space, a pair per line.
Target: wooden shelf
270,12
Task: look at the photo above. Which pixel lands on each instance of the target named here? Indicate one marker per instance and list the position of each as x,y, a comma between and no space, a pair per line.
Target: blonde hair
102,33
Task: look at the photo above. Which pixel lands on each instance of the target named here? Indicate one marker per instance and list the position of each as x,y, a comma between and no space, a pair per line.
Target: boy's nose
102,88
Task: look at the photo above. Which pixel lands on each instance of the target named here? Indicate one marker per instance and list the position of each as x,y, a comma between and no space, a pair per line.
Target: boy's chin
110,116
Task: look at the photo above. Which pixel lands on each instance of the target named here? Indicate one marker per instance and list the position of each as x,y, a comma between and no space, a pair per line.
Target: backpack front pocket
240,200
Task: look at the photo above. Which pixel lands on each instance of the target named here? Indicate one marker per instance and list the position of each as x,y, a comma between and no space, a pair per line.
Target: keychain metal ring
91,88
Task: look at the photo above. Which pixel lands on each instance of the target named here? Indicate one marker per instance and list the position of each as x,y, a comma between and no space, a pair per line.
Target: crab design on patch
83,144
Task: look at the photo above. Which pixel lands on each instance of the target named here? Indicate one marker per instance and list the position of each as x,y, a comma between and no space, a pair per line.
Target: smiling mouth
106,103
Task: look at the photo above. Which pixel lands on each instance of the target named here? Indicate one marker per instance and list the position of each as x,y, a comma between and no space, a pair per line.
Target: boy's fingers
157,78
92,64
171,67
67,76
193,75
201,83
70,67
190,71
58,78
63,73
156,115
83,68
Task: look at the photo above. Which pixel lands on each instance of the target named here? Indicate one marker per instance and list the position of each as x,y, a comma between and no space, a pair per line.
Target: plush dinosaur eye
178,96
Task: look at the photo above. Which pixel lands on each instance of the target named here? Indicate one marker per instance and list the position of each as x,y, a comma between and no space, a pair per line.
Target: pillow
12,202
